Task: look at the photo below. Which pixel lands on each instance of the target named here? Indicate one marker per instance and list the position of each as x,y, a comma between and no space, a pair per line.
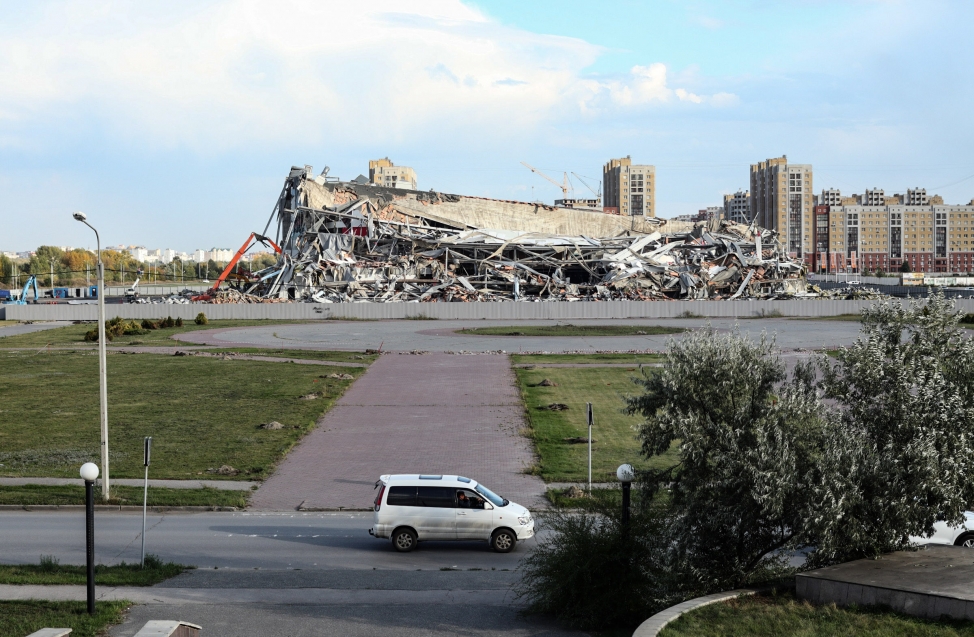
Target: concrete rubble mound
343,242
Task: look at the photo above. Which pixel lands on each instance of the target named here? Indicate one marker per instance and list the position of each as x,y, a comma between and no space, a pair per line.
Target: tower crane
598,194
565,186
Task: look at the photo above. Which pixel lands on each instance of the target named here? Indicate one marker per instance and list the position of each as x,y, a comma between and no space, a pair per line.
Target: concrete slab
935,581
432,414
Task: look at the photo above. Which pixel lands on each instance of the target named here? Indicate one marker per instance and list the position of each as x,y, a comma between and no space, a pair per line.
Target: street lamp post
625,473
89,473
102,373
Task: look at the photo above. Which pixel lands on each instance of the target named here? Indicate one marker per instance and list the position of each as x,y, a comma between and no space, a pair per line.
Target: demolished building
353,242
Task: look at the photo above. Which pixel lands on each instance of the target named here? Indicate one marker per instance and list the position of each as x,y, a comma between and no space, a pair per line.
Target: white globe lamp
89,471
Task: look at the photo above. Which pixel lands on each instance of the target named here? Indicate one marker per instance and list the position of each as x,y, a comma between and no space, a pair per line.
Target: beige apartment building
629,189
875,231
737,207
781,200
382,172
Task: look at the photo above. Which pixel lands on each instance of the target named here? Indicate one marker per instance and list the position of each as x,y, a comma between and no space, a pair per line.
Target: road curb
652,626
109,507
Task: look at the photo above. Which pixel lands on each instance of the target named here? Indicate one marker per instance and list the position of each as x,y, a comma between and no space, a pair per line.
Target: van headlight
524,520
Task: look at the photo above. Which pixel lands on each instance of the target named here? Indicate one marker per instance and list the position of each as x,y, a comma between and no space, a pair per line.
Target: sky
173,124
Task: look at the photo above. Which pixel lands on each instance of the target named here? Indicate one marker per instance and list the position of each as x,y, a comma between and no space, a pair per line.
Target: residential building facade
382,172
781,200
931,237
629,189
737,207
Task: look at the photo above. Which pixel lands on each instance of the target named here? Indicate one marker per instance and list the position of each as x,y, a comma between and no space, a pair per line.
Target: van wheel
404,540
966,540
503,541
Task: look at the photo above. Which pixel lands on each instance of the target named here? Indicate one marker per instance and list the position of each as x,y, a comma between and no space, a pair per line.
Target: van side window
439,497
467,499
402,497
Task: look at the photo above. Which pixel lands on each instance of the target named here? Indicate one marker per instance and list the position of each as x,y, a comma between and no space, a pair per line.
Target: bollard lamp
89,471
625,473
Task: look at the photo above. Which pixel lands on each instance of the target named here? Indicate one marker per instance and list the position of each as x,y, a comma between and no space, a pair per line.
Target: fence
469,311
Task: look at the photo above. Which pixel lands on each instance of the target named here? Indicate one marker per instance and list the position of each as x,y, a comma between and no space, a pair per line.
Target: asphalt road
286,575
238,540
442,336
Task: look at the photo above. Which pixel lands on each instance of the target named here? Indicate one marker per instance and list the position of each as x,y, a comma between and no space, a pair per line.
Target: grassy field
203,413
571,330
586,359
74,335
23,618
33,494
51,573
783,616
614,432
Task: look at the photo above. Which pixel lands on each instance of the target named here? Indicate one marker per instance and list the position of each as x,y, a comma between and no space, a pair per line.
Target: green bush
149,325
201,319
167,322
179,322
592,573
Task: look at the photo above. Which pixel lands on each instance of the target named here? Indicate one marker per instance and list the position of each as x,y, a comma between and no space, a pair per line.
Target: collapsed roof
348,242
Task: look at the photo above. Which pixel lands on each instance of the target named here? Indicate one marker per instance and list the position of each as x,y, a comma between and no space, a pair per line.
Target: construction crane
598,195
564,185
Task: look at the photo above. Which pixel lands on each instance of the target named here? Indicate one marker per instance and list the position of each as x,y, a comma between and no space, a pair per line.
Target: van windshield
495,499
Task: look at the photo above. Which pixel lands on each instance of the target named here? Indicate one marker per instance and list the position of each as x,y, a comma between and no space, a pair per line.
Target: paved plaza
443,336
432,414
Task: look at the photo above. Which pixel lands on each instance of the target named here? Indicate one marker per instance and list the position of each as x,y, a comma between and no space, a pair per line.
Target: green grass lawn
74,335
51,573
23,618
571,330
202,412
34,494
586,359
614,431
334,356
783,616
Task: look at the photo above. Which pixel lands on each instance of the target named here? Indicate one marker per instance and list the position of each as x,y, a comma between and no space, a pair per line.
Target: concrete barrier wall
500,311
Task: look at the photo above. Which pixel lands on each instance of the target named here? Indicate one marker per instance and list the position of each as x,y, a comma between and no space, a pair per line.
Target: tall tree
749,440
905,457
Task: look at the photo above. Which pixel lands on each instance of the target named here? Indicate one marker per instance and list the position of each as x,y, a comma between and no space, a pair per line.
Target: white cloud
240,72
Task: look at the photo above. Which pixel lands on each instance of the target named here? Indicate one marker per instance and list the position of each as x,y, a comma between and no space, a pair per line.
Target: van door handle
461,512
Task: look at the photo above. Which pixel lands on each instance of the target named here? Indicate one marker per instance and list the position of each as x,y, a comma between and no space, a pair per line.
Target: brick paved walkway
432,414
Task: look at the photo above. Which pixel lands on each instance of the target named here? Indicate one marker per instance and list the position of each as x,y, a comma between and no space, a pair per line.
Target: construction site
347,242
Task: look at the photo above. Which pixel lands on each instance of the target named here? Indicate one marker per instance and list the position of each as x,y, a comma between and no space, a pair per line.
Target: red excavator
253,238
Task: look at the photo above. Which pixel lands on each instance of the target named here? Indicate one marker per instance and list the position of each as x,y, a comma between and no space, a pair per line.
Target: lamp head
80,216
625,473
89,471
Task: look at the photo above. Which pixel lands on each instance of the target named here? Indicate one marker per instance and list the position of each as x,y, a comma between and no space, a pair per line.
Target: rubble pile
343,242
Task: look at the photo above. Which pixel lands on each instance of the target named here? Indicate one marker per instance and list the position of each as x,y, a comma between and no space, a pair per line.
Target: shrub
149,325
167,322
593,573
179,322
201,319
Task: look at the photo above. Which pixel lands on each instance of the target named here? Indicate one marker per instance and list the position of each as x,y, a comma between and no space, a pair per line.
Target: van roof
428,479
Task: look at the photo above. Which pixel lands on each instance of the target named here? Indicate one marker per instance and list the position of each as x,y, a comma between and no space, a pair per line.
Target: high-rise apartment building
737,207
382,172
781,200
875,231
629,188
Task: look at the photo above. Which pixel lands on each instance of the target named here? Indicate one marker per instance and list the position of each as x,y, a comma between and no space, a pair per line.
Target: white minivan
414,508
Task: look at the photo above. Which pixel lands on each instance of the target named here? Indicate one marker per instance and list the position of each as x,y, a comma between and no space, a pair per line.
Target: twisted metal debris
349,242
